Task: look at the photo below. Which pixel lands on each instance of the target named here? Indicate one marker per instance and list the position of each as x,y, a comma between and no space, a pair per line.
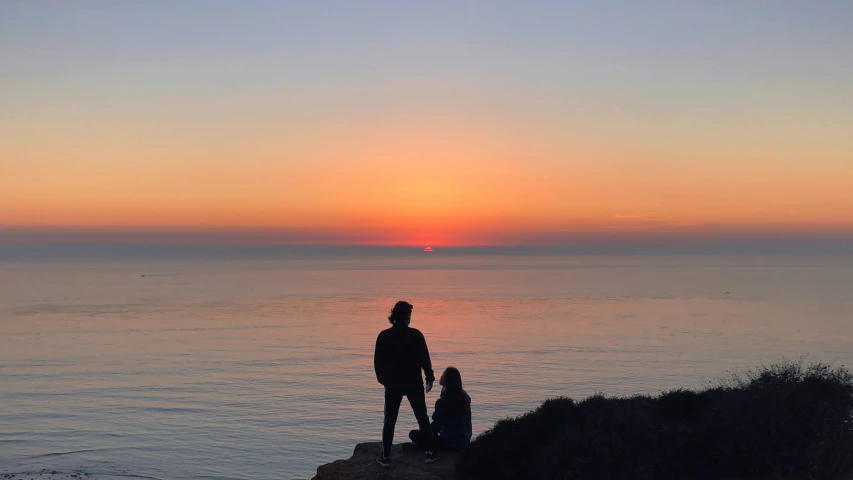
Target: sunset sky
420,123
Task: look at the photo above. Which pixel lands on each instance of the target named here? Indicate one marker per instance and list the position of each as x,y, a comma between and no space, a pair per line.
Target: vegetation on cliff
789,421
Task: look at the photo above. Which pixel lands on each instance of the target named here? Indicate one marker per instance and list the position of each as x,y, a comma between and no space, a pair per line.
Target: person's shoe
384,462
430,457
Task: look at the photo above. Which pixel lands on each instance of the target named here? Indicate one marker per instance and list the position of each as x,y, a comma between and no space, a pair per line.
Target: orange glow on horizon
431,183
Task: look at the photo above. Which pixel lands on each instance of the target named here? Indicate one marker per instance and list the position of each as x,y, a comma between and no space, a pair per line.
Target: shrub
786,421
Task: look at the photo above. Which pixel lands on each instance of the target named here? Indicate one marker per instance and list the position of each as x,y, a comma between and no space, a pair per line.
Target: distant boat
428,249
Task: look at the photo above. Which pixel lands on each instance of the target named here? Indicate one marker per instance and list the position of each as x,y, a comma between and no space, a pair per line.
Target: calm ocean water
259,367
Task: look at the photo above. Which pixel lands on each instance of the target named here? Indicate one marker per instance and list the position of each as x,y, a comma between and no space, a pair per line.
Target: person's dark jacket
401,353
452,421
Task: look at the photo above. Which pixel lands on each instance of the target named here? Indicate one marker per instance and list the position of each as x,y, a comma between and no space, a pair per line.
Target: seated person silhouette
451,420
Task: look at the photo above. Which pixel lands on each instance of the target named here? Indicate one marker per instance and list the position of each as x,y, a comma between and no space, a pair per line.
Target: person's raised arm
438,416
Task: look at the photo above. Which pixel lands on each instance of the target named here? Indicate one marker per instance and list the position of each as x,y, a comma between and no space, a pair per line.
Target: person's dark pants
393,398
438,444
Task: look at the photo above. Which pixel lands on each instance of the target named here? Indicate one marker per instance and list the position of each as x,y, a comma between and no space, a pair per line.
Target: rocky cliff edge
407,463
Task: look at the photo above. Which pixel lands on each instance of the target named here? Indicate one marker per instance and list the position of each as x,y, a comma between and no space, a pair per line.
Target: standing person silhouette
401,352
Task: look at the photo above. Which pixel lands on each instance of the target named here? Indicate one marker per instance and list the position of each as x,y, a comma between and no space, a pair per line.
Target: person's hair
454,395
400,311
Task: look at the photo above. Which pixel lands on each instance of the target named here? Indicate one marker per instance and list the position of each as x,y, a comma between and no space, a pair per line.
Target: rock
407,463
